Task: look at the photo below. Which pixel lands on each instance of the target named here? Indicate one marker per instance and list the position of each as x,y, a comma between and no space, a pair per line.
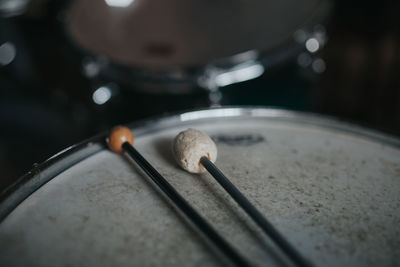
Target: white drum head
331,189
157,33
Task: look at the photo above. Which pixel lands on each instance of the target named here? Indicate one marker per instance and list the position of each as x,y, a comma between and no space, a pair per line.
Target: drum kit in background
182,46
331,189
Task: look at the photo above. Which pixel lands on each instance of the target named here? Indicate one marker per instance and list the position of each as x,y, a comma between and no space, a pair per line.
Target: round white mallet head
189,146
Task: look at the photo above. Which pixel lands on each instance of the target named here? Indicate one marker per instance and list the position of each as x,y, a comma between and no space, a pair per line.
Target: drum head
331,189
156,33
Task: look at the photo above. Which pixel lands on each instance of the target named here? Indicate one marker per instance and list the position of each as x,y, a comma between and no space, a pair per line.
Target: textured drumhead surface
158,33
333,195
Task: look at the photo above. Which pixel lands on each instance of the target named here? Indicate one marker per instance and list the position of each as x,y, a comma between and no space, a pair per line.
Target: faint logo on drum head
239,140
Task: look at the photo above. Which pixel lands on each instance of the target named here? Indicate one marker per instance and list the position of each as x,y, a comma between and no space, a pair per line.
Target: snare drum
330,188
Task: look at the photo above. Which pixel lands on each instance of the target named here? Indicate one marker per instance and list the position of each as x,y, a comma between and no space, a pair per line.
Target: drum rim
42,173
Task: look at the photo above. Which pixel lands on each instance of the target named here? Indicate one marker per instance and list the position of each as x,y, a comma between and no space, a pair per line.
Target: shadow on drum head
163,146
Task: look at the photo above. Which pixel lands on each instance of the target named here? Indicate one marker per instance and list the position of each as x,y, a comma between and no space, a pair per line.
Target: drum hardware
119,3
7,53
313,42
104,93
214,75
91,66
11,8
245,67
121,140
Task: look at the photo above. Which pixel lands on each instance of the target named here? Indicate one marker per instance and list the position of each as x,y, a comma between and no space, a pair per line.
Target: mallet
121,140
195,151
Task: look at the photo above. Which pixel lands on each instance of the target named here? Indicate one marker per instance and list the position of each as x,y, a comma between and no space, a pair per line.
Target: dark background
46,103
